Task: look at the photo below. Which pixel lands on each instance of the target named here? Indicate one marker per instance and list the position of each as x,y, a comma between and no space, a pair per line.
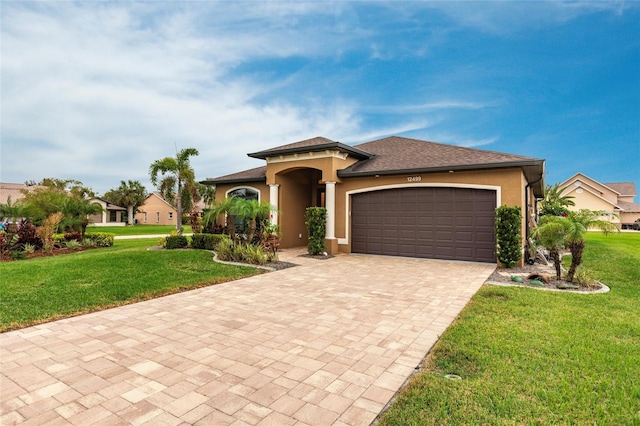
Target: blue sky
97,91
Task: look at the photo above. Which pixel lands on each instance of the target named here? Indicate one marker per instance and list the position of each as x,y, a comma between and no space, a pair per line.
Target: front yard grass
44,289
139,229
536,357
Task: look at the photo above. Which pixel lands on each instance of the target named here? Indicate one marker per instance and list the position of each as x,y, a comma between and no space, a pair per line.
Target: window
157,217
145,217
170,215
113,216
246,194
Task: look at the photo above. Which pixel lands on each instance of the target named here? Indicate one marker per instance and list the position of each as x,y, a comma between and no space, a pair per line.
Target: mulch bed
503,276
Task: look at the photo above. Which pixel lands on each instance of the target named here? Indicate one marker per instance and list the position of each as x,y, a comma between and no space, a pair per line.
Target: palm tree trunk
130,215
576,248
179,213
555,255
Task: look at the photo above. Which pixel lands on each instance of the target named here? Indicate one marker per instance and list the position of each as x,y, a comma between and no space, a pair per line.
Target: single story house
616,198
393,196
14,191
157,211
111,214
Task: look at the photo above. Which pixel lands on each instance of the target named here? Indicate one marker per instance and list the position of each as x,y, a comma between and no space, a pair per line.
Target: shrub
316,225
18,255
29,248
7,242
69,236
26,232
46,231
72,244
207,241
224,249
508,240
250,253
176,242
585,278
100,239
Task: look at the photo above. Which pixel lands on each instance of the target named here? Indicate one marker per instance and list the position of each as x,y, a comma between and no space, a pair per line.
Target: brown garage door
434,223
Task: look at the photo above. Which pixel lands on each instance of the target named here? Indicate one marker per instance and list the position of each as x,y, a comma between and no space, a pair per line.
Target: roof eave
357,153
236,180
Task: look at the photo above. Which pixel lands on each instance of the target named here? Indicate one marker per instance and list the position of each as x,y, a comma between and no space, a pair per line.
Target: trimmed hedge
100,239
508,237
207,241
316,221
176,242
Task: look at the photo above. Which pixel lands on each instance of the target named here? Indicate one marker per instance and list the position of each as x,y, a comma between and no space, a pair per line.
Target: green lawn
533,357
43,289
138,229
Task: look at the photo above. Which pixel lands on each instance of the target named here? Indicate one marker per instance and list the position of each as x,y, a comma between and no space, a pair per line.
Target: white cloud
100,91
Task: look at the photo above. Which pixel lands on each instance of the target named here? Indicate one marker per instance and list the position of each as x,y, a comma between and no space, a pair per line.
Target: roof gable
318,143
584,179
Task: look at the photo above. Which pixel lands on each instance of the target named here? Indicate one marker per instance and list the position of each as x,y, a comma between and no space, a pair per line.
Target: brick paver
327,342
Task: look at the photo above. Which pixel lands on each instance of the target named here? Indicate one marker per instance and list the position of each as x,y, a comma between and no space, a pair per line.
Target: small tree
316,221
130,194
508,237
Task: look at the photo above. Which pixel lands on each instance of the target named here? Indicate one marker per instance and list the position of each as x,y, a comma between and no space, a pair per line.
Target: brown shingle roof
396,154
629,207
314,144
623,188
252,175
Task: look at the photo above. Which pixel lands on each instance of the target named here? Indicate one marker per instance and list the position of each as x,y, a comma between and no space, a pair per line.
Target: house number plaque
414,178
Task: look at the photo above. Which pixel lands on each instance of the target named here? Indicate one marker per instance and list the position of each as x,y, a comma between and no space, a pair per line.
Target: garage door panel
436,222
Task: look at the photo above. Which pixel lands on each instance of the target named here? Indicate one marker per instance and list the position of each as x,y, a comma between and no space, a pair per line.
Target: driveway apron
328,342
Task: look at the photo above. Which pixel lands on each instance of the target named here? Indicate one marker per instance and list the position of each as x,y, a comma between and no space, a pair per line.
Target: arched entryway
300,188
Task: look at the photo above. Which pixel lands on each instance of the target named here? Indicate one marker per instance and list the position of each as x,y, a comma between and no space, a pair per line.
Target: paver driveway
328,342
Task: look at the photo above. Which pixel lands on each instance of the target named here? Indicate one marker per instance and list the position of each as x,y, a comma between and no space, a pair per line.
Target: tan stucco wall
157,212
329,167
588,200
628,218
298,183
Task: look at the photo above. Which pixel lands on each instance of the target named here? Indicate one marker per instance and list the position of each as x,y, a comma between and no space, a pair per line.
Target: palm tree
180,176
556,232
554,203
227,207
76,212
551,234
251,210
578,223
130,194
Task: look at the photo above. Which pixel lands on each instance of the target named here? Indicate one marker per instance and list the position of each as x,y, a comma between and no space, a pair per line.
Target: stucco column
273,200
330,204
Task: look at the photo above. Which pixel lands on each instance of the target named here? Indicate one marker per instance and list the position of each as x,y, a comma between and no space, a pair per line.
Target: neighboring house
13,191
616,199
394,196
156,211
111,214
